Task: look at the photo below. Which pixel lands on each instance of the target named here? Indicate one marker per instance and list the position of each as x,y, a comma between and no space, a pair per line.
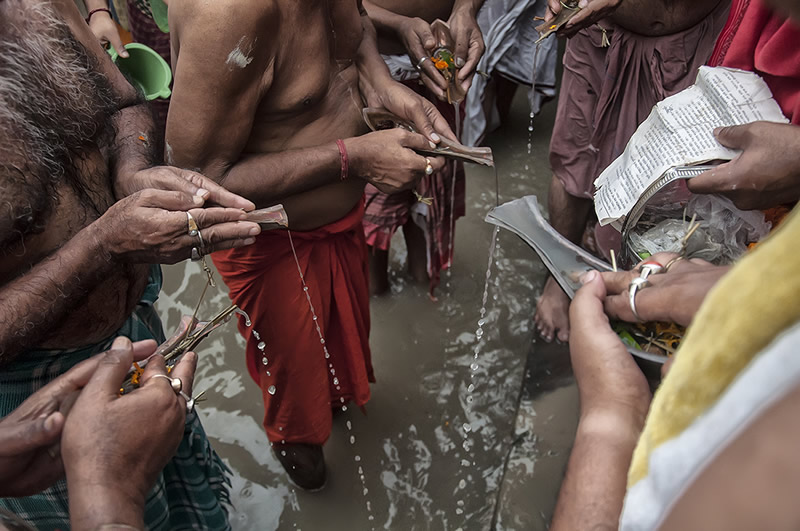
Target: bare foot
552,312
417,252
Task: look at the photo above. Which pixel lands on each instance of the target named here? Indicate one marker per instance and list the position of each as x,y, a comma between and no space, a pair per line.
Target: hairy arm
33,302
373,74
217,90
594,486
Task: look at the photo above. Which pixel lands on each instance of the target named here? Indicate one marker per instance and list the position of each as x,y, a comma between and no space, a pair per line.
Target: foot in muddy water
552,312
417,253
304,463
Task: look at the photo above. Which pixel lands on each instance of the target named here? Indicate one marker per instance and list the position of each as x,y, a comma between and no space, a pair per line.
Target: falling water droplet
530,128
467,427
322,340
262,345
357,458
344,408
256,334
459,511
365,491
336,381
481,322
283,453
349,425
479,333
269,373
464,462
264,360
352,439
470,388
271,389
474,366
462,484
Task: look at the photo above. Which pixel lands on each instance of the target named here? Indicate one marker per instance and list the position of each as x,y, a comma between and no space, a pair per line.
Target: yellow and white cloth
740,356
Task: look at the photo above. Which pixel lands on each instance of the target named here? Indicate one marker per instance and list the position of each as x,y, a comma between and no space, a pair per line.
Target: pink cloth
607,92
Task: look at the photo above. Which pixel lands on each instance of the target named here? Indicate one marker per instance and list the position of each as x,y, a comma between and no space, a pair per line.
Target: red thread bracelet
93,11
343,157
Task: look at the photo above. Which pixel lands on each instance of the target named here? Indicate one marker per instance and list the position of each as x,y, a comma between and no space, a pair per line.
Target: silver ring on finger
633,288
194,230
420,62
175,383
189,402
428,167
650,267
202,243
196,256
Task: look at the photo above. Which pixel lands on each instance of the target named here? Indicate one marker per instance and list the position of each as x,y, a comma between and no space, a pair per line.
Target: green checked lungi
192,490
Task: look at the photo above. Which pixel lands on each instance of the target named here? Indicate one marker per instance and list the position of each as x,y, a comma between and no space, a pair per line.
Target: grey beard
54,105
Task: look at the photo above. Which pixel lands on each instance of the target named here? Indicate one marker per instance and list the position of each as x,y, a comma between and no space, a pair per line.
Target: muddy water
522,416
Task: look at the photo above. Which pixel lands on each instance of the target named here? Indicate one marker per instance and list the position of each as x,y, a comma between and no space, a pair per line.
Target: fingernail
124,54
190,356
202,192
250,241
717,131
588,277
197,200
459,62
435,137
120,342
431,144
583,3
255,231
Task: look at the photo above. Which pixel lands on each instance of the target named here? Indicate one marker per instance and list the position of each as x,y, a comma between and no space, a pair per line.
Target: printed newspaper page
680,132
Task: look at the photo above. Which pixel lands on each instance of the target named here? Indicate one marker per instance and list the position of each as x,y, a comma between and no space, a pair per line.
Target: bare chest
662,17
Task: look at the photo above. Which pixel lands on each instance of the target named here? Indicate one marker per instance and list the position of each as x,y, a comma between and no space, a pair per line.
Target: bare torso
309,96
662,17
54,216
107,306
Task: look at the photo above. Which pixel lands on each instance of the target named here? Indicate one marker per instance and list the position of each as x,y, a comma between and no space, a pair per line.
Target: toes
563,335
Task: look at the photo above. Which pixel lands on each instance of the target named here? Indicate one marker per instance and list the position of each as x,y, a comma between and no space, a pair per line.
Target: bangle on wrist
93,11
343,158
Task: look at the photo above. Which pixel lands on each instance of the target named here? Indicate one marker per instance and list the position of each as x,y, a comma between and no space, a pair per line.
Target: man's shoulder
223,19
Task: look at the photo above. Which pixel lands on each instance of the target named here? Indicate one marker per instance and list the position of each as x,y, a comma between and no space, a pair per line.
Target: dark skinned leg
417,252
378,271
568,215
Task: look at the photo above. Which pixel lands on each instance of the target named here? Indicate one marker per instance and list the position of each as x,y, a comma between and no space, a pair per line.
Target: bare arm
614,402
218,87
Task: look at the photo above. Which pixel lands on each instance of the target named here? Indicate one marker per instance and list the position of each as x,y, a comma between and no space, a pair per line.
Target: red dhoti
299,385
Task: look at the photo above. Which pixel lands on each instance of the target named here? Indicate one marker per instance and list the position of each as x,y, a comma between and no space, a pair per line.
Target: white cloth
509,33
674,465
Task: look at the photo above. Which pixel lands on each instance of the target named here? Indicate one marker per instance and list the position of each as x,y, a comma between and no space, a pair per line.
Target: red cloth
758,40
264,281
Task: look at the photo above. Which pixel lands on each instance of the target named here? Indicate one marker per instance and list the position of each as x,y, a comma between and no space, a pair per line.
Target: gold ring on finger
428,167
194,230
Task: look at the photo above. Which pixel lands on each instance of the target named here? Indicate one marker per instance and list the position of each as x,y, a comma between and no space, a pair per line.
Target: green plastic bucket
145,69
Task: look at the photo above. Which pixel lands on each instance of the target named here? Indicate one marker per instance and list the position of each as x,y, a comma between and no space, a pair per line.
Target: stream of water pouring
466,428
335,380
533,91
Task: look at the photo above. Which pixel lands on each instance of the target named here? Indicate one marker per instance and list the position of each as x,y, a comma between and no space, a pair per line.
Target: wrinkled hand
469,44
419,42
30,460
674,296
609,381
591,11
764,175
179,180
405,103
387,158
104,28
151,226
115,446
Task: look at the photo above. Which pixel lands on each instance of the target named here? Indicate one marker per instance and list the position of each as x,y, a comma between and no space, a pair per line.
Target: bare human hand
674,296
111,462
180,180
764,175
151,226
105,29
387,158
609,381
30,460
420,43
405,103
591,12
469,44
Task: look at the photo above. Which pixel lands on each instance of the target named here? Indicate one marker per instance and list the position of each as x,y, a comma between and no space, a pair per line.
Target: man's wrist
106,507
469,7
